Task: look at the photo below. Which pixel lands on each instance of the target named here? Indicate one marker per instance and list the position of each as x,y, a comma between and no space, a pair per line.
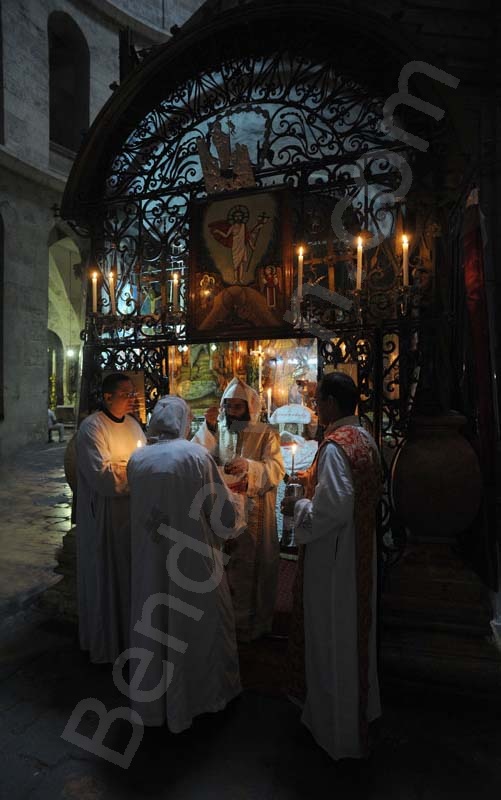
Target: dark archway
2,113
68,82
2,257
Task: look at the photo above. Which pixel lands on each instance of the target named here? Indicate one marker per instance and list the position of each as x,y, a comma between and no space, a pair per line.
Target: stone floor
428,745
35,506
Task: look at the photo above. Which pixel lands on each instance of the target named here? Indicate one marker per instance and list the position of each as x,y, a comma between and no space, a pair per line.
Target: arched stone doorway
65,315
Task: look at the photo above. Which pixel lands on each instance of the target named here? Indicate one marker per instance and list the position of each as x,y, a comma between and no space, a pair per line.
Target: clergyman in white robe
253,567
326,525
181,610
104,445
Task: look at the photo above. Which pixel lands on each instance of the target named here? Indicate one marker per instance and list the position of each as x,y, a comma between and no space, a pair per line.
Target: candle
269,402
331,278
293,448
175,292
360,251
139,443
300,274
405,260
112,294
94,292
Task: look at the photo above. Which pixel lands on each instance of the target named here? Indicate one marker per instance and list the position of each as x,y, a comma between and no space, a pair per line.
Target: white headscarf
170,418
241,391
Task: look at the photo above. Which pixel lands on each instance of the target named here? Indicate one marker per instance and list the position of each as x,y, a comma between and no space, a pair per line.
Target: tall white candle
293,448
331,278
269,402
360,251
112,294
405,260
94,292
300,273
175,292
260,369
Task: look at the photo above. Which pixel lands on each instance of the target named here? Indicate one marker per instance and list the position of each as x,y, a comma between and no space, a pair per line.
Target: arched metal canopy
140,235
364,47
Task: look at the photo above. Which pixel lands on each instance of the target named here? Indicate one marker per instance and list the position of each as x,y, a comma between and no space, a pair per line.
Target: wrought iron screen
256,122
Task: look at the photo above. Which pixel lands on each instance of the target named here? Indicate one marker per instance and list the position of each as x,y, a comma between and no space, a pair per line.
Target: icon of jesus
233,232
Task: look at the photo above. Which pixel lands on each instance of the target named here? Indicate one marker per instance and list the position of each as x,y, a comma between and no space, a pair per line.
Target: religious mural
240,265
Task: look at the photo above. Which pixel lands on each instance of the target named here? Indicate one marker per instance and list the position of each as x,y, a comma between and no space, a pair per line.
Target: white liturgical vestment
103,533
254,558
181,612
326,525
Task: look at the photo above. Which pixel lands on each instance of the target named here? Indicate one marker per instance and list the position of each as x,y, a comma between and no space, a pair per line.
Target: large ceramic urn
436,480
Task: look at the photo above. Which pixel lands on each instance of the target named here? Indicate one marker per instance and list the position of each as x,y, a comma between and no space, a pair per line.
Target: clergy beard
236,424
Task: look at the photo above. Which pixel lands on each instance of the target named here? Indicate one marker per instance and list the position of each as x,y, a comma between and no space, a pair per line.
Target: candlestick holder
408,299
358,306
263,417
117,327
294,490
297,312
170,316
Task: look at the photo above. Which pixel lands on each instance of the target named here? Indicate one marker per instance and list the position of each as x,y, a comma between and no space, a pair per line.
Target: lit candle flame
360,251
139,443
300,274
405,260
175,292
94,292
112,294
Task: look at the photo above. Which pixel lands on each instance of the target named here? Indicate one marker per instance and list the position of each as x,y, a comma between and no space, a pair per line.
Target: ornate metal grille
305,127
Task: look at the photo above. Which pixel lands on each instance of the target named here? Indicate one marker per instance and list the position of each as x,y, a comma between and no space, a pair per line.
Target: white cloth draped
326,526
103,544
253,567
166,479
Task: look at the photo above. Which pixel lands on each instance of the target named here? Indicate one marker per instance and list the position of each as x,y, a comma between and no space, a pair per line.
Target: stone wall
33,176
27,219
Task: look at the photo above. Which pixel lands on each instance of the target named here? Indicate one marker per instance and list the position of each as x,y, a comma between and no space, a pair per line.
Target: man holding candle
250,453
105,442
336,523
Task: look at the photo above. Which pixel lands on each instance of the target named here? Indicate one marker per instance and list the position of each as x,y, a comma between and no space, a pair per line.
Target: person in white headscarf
250,453
181,612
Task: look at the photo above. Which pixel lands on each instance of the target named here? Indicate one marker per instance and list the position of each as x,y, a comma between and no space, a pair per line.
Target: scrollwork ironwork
305,127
